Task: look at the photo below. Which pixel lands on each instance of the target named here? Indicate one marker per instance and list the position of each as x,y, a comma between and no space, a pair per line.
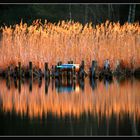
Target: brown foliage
70,40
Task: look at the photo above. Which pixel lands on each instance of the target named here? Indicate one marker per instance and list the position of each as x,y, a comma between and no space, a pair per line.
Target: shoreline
100,73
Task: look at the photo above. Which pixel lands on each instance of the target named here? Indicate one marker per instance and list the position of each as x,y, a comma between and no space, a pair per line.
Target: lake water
81,108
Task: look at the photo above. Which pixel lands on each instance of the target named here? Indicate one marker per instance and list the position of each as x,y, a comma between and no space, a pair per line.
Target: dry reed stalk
70,41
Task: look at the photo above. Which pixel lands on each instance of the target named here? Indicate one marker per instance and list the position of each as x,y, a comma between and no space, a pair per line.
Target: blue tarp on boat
68,66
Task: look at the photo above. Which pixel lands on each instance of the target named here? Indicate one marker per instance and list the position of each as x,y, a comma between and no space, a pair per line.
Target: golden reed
69,40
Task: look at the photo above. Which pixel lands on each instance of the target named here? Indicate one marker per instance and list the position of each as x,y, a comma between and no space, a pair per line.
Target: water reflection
93,83
69,86
99,99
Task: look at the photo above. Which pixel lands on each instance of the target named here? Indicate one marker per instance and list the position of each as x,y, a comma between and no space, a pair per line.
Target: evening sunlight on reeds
69,40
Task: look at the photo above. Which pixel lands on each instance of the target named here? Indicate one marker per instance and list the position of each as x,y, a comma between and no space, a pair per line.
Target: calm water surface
70,108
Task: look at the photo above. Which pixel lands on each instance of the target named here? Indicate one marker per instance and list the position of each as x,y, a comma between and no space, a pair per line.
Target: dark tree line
97,13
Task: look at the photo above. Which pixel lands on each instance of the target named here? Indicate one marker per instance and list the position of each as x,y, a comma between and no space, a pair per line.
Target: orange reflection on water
104,100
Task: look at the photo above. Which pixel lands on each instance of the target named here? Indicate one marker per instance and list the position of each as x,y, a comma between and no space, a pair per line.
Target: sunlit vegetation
69,40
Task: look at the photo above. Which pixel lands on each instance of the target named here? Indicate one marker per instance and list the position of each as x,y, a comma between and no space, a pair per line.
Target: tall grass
69,40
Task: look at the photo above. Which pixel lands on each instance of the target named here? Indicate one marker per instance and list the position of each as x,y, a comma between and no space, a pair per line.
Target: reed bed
69,40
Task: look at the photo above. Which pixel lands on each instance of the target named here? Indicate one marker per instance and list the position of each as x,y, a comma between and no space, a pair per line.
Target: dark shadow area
95,13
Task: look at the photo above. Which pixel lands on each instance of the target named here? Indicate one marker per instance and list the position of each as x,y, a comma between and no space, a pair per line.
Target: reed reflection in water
103,105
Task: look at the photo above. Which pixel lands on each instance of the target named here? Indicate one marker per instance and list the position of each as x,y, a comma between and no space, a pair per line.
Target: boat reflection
69,86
